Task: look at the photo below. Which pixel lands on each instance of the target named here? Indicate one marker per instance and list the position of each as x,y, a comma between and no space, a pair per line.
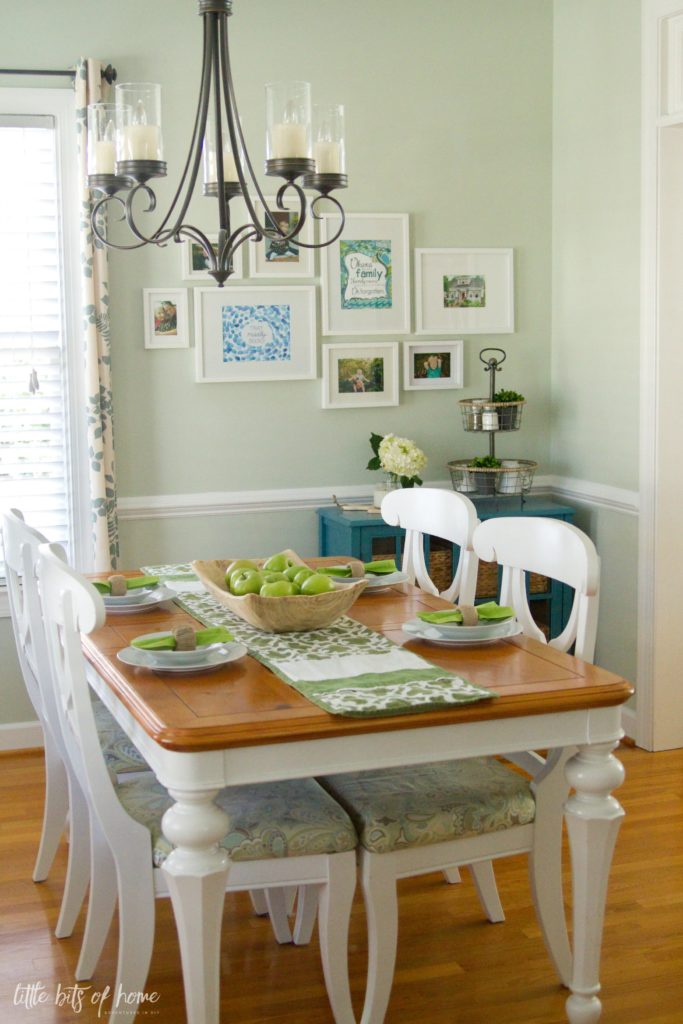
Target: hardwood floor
452,965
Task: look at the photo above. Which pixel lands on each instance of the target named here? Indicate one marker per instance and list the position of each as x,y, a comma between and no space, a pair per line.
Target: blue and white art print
256,333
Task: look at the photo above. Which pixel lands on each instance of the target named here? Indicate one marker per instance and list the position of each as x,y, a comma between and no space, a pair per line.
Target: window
41,425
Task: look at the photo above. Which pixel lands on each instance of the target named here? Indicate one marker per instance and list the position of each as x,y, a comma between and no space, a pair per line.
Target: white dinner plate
138,600
484,630
435,635
201,660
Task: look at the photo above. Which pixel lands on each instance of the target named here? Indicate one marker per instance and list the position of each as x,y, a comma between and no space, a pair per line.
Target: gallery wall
450,120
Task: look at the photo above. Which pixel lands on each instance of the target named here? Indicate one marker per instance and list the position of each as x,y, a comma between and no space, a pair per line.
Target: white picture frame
432,365
165,318
297,261
366,274
349,376
255,333
464,291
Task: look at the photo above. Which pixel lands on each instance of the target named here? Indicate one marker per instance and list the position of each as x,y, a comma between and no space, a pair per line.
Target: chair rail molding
219,503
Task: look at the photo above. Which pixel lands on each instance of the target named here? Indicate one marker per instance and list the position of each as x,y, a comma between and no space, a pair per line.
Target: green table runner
345,669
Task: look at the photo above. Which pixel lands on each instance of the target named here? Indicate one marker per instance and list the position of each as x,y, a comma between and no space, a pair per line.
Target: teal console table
363,536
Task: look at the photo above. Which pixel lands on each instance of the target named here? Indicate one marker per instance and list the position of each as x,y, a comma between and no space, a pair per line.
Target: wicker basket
487,581
514,476
482,414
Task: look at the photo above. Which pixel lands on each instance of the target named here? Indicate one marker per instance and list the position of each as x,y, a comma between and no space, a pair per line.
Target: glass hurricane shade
138,122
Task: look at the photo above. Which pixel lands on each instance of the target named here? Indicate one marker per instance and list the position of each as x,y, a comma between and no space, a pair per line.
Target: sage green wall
449,112
596,287
596,240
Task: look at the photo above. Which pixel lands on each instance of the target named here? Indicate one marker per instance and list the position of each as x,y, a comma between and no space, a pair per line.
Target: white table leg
196,873
593,819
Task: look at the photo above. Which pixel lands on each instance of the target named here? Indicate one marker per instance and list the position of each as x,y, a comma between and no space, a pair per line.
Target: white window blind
34,459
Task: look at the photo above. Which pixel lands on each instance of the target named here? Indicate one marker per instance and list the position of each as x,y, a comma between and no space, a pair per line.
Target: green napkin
381,568
378,568
134,583
213,635
488,612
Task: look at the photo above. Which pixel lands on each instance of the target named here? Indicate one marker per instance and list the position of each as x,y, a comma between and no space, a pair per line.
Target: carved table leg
593,819
196,872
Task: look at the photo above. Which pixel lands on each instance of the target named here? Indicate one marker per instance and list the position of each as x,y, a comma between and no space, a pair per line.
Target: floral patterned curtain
97,342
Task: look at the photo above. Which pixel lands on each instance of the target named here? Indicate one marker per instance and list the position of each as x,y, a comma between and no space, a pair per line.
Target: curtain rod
108,73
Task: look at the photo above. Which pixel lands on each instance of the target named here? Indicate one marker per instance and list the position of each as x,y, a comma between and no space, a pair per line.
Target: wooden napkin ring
470,616
185,638
118,586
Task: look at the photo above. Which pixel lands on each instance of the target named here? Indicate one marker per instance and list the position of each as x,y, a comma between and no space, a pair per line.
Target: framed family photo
275,257
366,274
357,376
432,364
165,316
469,291
255,333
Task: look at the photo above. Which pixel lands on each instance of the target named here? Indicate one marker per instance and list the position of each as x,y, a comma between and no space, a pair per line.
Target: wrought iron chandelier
125,151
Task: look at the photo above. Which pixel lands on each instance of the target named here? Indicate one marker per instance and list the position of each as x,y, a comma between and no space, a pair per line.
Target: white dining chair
131,843
64,799
430,512
418,819
553,548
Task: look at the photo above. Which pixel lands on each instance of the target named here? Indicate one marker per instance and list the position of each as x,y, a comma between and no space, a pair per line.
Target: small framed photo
468,291
195,266
366,274
274,257
165,313
356,376
432,364
255,333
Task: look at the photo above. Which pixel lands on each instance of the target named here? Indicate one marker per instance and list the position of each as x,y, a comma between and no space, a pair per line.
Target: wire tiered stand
512,477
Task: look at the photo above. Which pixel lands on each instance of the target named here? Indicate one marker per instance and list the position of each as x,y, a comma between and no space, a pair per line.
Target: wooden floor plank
452,966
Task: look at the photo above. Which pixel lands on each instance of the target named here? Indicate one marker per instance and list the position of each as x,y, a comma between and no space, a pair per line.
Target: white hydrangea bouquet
400,458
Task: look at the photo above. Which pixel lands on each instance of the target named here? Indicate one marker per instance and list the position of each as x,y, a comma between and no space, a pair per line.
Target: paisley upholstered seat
396,808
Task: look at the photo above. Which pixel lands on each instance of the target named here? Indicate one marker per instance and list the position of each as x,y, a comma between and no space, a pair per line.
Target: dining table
241,723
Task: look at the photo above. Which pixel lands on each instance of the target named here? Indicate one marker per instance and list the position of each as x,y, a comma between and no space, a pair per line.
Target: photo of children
165,318
358,376
431,365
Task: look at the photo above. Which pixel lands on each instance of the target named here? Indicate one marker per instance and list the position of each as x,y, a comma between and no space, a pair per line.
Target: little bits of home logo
77,997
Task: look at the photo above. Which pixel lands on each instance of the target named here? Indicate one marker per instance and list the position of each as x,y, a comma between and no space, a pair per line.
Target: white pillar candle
104,158
288,140
229,167
327,157
140,142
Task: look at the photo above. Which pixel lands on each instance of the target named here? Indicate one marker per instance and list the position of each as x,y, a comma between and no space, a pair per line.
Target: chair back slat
71,606
447,515
552,548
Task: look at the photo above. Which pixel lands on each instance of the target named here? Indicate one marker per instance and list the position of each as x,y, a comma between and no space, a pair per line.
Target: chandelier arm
189,231
319,216
216,56
100,237
195,150
235,130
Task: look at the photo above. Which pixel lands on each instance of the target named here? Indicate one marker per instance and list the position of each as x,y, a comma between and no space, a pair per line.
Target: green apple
303,573
273,577
293,571
280,588
279,562
317,584
246,581
239,563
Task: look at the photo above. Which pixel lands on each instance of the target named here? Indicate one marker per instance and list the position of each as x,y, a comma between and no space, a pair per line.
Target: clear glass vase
390,483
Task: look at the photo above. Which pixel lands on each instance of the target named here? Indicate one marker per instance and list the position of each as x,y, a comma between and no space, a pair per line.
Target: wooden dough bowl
295,614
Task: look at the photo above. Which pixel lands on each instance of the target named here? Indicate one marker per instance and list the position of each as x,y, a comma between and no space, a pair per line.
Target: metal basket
514,476
482,414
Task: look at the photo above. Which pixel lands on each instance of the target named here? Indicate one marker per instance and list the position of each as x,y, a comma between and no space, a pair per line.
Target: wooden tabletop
244,704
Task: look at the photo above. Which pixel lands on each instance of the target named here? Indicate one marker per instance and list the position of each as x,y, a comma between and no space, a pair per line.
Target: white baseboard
21,736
